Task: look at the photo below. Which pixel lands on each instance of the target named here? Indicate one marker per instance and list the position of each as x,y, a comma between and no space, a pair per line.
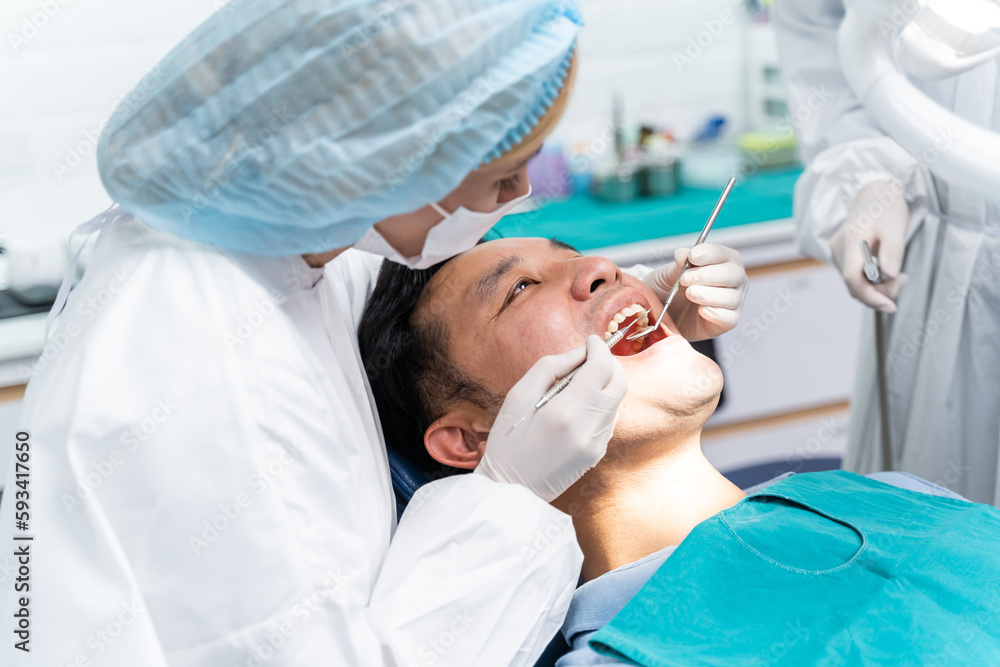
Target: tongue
626,347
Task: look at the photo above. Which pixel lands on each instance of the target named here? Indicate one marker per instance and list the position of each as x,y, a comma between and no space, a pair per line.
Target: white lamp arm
953,148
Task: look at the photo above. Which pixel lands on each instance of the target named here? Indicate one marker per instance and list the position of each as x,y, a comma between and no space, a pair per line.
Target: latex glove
880,216
555,445
712,289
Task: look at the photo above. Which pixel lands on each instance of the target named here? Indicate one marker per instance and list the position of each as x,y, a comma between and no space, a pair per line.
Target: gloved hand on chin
552,447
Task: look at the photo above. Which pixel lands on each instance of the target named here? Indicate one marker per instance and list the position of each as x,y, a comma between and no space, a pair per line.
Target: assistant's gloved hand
880,216
712,290
554,445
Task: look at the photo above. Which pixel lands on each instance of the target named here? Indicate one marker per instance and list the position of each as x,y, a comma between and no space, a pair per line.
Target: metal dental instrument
564,382
872,272
687,264
875,276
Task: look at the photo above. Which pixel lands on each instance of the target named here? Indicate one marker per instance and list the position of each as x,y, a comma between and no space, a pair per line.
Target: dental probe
687,263
564,382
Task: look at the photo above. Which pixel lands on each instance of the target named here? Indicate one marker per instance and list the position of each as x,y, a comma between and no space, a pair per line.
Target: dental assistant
939,241
209,483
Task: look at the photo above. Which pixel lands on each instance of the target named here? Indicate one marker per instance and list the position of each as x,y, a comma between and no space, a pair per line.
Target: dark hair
406,359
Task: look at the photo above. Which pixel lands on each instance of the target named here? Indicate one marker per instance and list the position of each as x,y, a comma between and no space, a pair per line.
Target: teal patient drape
823,569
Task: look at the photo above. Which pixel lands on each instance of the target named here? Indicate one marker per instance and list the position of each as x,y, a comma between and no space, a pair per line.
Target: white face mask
458,232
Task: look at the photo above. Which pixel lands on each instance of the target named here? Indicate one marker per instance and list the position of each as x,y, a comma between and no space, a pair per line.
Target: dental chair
406,479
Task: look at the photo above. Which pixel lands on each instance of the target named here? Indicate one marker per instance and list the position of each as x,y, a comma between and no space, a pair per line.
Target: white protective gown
209,486
944,343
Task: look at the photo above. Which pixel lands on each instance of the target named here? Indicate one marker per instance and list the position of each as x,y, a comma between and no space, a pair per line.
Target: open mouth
624,317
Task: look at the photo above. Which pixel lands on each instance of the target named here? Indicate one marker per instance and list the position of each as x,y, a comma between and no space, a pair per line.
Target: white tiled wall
80,56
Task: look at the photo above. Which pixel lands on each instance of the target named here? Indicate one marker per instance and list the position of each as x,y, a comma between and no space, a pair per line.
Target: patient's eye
518,287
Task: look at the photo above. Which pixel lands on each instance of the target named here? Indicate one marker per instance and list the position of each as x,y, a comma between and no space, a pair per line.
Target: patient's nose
593,274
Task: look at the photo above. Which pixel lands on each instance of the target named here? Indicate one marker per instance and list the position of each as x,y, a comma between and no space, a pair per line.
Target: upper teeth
627,311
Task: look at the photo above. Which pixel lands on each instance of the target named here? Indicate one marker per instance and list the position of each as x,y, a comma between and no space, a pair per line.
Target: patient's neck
629,507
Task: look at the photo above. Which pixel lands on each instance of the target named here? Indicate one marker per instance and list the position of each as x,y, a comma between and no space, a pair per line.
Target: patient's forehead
484,256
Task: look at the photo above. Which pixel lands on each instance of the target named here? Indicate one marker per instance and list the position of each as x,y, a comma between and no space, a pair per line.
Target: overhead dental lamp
929,39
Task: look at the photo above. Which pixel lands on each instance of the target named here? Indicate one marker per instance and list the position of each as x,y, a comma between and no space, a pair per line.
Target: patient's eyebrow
488,283
556,244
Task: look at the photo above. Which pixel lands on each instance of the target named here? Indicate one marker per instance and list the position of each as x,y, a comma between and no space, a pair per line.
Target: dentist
209,485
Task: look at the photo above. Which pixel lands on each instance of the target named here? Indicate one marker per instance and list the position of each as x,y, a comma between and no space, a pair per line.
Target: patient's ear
458,438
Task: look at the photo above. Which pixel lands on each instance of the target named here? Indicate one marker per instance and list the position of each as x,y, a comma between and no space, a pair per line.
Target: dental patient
815,568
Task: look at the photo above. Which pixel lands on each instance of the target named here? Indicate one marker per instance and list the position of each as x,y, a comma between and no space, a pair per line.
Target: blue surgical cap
284,127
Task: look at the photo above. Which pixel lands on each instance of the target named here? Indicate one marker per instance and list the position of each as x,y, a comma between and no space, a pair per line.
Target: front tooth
619,318
628,311
612,326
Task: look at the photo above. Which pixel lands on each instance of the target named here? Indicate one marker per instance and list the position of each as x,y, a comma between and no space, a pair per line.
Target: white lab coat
209,486
944,343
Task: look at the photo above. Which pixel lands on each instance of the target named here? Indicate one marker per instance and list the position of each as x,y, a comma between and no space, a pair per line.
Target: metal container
615,182
659,176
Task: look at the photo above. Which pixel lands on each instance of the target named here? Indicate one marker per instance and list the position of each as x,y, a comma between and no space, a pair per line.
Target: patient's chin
679,401
693,391
675,375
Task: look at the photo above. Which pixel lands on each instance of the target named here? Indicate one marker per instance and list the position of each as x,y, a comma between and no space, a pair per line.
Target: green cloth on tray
588,223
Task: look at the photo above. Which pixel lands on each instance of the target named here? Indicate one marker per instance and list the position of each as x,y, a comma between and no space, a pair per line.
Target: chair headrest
406,477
